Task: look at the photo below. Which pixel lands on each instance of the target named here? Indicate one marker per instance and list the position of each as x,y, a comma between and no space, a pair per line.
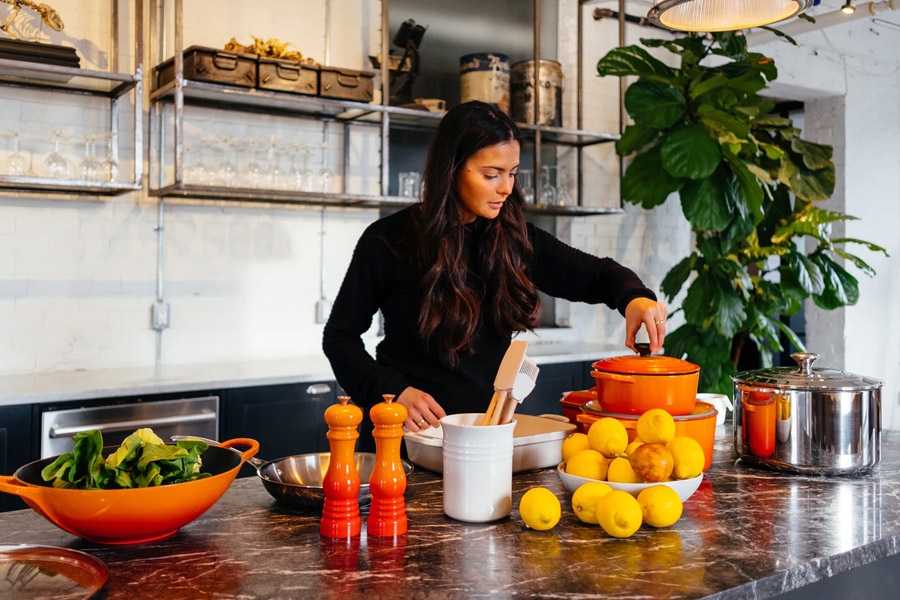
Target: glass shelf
65,79
203,192
26,183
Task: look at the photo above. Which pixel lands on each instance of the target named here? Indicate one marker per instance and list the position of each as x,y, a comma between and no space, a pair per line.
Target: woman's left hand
653,316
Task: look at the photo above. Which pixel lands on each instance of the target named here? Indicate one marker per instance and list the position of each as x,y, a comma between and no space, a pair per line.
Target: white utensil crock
477,468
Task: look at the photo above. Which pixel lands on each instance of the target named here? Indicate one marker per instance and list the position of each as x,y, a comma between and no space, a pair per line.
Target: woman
457,274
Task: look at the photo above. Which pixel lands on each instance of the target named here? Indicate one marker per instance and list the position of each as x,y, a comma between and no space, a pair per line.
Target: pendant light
723,15
848,8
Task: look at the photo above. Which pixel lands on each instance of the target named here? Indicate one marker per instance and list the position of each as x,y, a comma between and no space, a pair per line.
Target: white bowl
685,488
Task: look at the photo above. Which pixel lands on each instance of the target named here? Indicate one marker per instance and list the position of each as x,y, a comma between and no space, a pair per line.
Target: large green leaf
705,203
792,336
815,156
703,86
654,105
634,138
748,187
808,274
689,151
646,182
811,186
869,245
841,288
634,60
713,301
808,223
726,121
677,275
771,121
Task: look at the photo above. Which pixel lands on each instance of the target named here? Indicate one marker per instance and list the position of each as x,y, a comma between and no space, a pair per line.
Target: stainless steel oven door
189,416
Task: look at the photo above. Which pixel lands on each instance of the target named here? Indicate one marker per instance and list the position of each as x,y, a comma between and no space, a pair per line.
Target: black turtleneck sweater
378,279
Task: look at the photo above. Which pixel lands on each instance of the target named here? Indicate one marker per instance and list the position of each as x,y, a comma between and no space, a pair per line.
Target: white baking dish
537,443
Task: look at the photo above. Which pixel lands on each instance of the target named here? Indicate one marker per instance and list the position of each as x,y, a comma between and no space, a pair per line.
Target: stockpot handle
805,360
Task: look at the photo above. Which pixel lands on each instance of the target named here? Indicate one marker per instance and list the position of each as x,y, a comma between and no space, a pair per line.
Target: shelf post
537,101
385,97
179,93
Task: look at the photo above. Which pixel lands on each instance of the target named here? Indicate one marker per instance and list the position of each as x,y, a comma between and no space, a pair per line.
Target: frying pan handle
612,376
246,454
11,485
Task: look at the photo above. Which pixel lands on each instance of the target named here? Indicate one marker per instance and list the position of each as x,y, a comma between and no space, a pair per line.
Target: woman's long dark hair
452,310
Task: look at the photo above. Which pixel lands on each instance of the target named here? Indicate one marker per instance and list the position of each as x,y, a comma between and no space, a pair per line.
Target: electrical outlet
323,309
159,315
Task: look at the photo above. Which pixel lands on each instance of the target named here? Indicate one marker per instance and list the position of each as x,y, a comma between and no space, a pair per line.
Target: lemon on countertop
656,426
608,436
584,500
574,443
619,514
688,455
660,505
540,508
589,464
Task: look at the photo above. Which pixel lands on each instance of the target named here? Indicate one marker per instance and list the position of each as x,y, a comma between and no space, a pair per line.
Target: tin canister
522,86
485,76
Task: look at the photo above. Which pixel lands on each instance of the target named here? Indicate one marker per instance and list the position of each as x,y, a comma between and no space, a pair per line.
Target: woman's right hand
422,409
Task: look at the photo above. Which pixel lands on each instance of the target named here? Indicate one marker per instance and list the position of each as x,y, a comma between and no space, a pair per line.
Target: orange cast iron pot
128,516
632,385
700,424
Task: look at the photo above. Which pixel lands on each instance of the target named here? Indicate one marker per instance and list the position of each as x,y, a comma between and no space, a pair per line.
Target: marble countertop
89,384
745,534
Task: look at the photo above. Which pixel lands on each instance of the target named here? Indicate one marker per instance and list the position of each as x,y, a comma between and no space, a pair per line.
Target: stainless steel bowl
297,480
812,421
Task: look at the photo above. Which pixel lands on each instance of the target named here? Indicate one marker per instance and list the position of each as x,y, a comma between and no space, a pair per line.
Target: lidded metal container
806,420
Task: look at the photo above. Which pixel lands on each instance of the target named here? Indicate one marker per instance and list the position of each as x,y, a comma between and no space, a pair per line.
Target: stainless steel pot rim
763,384
407,469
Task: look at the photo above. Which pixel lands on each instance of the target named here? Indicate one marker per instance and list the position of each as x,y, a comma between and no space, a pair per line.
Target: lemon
656,426
660,505
637,443
608,436
589,464
688,455
619,514
584,500
540,508
620,471
575,442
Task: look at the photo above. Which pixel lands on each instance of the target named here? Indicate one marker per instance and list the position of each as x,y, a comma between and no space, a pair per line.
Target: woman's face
487,179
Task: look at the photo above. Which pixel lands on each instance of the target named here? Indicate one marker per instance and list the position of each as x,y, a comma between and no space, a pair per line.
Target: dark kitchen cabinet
284,419
15,447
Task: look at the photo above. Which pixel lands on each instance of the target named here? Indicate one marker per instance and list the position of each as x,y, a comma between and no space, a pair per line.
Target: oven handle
204,415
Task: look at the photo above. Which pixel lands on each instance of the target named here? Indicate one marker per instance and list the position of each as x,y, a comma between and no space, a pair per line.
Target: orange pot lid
646,365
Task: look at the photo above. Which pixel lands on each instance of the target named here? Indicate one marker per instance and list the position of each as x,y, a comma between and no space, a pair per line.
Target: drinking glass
277,176
57,165
548,190
110,166
526,182
90,167
227,173
15,162
252,175
409,184
325,175
563,197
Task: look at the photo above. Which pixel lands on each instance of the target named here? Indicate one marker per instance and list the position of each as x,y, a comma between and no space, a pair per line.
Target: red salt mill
387,514
340,517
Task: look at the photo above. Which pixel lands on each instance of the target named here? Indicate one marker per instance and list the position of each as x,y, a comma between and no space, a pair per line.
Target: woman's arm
365,283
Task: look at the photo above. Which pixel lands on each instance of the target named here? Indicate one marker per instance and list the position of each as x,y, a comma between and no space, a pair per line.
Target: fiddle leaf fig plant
748,185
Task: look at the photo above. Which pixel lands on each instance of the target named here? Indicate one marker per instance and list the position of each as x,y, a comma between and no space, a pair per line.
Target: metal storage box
210,64
288,76
345,84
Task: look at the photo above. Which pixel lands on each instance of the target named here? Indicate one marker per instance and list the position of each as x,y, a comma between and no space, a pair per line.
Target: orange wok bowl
129,516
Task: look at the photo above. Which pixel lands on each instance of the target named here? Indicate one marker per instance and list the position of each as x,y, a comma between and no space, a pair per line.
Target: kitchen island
746,533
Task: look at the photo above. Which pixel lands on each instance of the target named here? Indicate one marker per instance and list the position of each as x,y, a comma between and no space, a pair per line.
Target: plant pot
634,384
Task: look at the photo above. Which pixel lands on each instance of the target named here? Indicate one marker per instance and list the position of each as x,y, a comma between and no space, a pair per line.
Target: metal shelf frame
181,91
68,80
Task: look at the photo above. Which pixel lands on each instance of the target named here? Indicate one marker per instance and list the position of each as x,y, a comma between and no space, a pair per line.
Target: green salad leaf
142,460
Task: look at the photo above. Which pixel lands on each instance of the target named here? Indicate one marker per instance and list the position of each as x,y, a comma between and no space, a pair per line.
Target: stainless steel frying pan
297,480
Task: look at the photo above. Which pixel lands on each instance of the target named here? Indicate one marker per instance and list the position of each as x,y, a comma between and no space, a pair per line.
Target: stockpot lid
807,378
645,364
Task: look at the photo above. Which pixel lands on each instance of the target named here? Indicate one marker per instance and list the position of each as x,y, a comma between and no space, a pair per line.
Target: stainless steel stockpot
806,420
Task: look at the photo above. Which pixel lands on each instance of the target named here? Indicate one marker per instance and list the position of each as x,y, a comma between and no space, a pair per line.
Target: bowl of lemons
655,456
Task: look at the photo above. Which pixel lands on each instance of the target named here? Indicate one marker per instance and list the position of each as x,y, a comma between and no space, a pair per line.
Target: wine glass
252,175
276,175
309,176
526,182
563,197
325,174
15,162
110,166
57,165
91,167
227,173
548,191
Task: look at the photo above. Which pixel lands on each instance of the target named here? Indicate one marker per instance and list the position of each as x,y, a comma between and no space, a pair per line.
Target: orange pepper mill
387,514
340,516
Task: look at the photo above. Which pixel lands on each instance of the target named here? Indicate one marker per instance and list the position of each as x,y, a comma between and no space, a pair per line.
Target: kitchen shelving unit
109,84
181,92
